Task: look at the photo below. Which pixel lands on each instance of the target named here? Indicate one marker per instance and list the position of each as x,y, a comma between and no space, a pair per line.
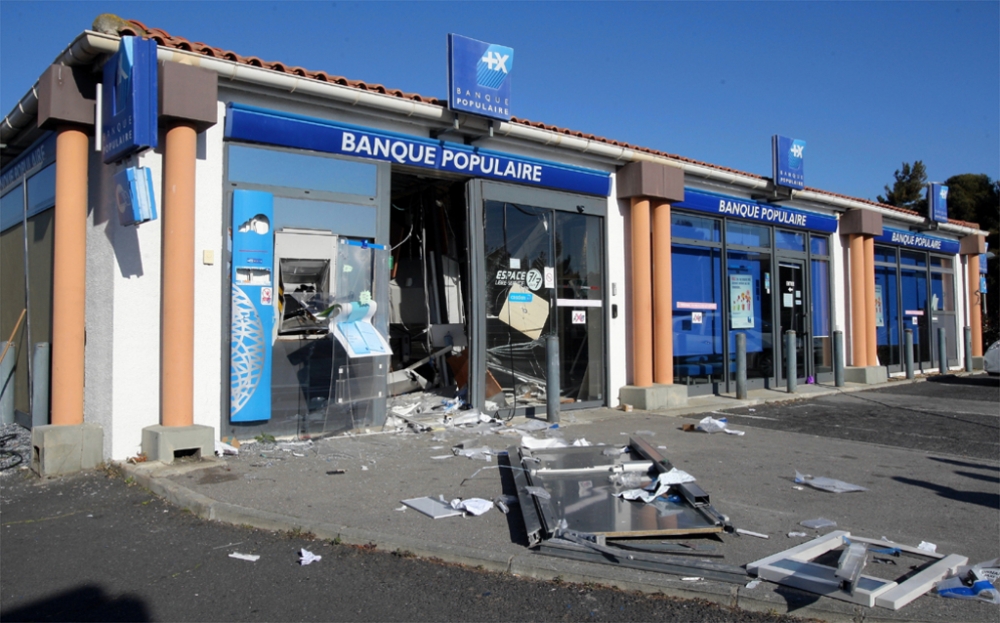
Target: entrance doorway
792,314
542,270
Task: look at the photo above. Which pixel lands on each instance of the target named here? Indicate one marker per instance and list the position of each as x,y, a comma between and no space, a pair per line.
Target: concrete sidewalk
299,487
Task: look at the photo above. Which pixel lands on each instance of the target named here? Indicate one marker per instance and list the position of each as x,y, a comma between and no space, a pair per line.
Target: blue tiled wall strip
270,127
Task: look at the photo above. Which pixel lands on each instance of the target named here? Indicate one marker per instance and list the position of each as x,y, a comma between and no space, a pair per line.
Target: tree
976,199
909,189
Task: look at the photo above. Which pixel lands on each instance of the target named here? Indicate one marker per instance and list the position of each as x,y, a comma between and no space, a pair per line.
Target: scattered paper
827,484
533,443
250,557
306,557
928,547
794,534
658,487
473,506
753,584
691,579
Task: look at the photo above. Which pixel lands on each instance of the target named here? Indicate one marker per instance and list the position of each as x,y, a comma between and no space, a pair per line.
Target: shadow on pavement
979,380
990,500
965,463
795,599
87,603
985,477
515,521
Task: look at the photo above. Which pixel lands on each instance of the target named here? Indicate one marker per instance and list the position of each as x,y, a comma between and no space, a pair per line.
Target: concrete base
977,363
871,375
654,397
62,450
163,443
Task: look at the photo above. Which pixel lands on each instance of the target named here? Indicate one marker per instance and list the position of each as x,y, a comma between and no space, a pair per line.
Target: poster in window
879,307
741,301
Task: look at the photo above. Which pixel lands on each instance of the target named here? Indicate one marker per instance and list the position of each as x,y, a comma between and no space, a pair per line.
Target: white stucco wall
209,277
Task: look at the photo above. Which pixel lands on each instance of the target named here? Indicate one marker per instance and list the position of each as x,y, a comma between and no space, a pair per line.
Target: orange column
663,313
871,337
975,306
642,295
859,347
69,277
177,305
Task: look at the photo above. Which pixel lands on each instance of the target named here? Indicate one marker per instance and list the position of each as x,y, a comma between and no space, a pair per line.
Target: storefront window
822,347
42,190
12,208
790,240
271,167
887,315
698,314
347,220
912,258
820,245
747,234
695,227
885,254
942,292
749,285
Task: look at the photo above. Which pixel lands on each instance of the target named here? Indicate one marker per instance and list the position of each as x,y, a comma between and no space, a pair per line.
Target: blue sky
868,85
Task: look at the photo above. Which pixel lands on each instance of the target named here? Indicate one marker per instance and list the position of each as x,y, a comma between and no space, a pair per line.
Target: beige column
975,306
663,313
871,337
642,295
69,277
859,317
177,304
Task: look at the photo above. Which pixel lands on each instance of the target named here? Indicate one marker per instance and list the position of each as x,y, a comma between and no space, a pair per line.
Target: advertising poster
741,301
879,307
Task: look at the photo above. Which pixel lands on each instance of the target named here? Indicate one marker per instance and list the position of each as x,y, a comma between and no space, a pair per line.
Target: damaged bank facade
265,249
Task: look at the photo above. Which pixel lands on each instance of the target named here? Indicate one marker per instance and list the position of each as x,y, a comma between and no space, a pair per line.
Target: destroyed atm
307,339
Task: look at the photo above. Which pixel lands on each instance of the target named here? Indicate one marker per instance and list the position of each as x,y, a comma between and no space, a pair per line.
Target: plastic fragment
709,424
306,557
826,484
473,506
539,492
928,547
794,534
753,584
818,523
751,533
250,557
692,579
981,590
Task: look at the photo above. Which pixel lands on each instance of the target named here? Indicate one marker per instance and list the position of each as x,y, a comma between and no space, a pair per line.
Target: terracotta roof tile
166,40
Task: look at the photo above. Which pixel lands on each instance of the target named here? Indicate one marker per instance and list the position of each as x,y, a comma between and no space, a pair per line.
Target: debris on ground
249,557
306,557
818,524
826,484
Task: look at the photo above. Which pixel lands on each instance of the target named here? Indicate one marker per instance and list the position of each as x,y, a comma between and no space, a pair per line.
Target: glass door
792,314
542,275
887,322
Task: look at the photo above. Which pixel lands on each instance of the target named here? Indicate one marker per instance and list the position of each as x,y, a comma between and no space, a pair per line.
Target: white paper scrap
928,547
753,584
473,506
306,557
532,443
223,449
250,557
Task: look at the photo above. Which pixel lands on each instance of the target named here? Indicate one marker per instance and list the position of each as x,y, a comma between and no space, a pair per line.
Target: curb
153,476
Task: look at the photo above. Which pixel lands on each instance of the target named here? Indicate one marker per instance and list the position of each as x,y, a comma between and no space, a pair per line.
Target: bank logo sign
128,99
479,77
938,200
787,159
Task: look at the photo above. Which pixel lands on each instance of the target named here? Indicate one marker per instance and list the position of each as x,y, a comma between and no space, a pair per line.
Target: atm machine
302,330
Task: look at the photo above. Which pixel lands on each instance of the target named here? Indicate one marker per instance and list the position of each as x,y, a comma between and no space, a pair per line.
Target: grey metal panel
477,290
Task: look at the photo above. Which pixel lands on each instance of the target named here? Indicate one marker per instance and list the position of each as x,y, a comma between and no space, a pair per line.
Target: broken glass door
544,275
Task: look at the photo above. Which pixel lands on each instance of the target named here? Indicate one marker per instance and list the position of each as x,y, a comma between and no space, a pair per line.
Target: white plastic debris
709,424
658,487
928,547
531,426
224,449
981,590
691,579
443,456
794,534
306,557
818,523
473,506
581,442
753,584
750,533
539,492
250,557
827,484
533,443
